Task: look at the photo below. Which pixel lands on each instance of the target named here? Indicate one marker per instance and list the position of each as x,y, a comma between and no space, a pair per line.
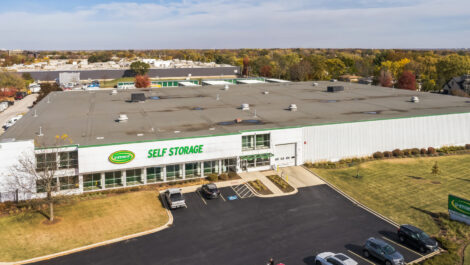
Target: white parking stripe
222,196
200,196
359,256
388,239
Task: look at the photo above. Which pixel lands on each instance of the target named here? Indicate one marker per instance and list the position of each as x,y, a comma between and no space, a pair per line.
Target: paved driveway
20,107
292,229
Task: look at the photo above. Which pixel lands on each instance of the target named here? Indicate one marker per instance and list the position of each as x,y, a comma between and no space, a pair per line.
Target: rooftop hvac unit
335,88
122,118
293,107
245,106
137,97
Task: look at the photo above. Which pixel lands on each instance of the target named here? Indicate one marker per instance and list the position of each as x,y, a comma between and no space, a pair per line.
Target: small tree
435,169
142,81
140,68
32,176
266,71
385,78
407,80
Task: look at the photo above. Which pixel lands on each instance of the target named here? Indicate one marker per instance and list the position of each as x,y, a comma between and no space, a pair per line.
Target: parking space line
402,246
357,255
200,196
222,196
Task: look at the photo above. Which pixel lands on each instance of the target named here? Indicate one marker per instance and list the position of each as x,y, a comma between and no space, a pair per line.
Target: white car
329,258
11,121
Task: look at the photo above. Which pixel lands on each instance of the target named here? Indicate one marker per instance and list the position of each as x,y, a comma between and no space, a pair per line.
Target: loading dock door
284,155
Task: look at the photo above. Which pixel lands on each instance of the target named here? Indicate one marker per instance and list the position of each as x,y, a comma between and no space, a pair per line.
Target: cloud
236,24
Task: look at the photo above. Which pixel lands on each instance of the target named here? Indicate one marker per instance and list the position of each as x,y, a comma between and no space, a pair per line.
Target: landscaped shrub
431,151
388,154
223,176
233,175
423,151
467,146
378,155
397,152
407,152
415,151
213,177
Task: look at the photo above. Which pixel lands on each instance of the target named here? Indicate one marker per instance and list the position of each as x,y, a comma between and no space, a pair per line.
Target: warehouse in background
127,138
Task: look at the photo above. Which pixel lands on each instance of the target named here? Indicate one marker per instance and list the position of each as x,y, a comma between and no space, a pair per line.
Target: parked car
11,121
416,238
210,191
329,258
20,95
381,250
175,198
3,106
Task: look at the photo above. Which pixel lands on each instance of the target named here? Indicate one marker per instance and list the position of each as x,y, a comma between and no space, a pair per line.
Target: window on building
92,181
229,165
262,161
133,177
112,179
211,167
46,161
173,172
154,174
192,170
41,185
68,159
68,183
248,142
262,141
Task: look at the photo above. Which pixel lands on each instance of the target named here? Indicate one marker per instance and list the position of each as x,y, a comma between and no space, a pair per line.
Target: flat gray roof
89,117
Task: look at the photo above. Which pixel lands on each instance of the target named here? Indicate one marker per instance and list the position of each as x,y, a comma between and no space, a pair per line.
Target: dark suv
381,250
416,238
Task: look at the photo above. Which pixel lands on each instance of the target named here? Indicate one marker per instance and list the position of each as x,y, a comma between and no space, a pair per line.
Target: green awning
253,157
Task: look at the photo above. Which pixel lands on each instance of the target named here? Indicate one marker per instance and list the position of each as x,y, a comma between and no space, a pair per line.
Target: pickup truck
175,198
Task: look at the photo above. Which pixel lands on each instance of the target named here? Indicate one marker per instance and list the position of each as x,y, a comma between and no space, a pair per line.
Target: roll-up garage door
284,155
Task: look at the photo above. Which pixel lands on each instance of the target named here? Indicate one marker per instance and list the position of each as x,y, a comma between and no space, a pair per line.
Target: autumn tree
300,71
407,80
140,68
142,81
335,67
246,66
435,169
11,80
266,71
385,78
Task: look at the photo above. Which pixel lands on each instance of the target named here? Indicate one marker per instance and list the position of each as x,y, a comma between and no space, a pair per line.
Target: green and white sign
121,157
175,151
459,209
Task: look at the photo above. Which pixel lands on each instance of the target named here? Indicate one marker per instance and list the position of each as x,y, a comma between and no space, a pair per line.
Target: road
291,229
20,107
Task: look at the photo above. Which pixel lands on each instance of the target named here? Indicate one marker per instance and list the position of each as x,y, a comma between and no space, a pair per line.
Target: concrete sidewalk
300,177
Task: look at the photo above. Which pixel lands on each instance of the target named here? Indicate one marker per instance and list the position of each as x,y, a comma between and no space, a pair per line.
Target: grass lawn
467,255
113,83
24,235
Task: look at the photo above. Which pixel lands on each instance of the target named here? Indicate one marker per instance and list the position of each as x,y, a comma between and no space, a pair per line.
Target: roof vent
293,107
245,106
414,99
315,84
265,92
113,92
137,97
226,87
122,118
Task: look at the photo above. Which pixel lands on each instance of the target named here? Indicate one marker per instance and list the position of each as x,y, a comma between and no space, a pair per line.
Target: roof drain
245,106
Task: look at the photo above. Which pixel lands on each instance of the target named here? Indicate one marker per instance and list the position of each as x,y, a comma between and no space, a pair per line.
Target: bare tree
39,173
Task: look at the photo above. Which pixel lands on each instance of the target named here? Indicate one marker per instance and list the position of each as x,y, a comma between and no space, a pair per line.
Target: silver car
329,258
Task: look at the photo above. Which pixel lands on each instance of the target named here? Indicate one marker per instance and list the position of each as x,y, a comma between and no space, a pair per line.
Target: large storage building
180,133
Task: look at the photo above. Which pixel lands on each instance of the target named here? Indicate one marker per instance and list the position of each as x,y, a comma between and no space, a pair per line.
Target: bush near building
259,187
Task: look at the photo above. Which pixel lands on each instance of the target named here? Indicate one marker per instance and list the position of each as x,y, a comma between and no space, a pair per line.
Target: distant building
69,77
458,83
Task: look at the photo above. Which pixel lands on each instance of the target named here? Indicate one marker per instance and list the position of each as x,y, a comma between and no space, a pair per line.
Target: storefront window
68,183
229,165
68,159
92,181
112,179
154,174
46,161
248,142
192,170
41,185
173,172
262,141
133,177
262,162
211,167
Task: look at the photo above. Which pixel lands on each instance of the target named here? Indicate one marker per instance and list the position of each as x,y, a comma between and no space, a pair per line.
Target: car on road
384,252
175,198
416,238
210,191
329,258
11,121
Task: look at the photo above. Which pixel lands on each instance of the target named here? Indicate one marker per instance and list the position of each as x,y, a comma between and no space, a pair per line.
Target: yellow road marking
402,246
357,255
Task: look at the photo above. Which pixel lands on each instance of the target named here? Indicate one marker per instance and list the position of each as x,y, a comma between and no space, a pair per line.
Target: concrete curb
388,220
99,244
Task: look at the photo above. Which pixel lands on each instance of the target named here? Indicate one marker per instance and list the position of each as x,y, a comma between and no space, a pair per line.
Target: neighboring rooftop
458,83
90,117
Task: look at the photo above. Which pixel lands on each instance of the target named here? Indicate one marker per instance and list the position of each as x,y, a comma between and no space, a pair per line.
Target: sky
221,24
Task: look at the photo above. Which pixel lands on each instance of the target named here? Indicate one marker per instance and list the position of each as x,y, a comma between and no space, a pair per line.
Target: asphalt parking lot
291,229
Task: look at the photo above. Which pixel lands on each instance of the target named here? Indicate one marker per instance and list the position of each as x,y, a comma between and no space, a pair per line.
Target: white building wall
337,141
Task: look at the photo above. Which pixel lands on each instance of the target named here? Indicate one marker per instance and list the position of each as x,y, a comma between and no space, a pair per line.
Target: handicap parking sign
231,198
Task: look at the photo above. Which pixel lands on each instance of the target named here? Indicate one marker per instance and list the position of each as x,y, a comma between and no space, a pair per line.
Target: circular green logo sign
121,157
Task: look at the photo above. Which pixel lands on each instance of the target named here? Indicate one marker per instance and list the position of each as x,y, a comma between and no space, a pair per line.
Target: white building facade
108,166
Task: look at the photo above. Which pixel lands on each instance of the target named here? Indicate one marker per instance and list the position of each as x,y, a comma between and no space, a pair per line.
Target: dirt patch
55,221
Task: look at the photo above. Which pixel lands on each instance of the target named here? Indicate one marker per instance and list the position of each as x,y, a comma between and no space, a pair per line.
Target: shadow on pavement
310,260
